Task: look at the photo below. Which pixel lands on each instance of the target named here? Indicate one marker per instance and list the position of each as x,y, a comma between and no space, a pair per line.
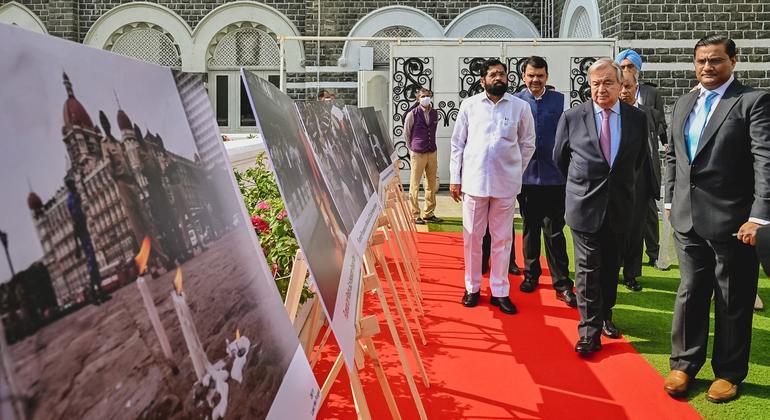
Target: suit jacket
594,190
729,178
651,169
651,98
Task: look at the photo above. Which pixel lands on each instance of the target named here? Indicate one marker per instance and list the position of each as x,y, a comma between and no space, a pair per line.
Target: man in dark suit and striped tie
718,195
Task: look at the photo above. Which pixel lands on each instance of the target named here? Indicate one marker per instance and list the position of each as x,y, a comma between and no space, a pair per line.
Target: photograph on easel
133,285
355,121
334,153
378,142
333,261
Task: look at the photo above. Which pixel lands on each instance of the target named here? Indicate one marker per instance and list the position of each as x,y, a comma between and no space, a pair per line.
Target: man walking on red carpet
718,193
492,143
600,147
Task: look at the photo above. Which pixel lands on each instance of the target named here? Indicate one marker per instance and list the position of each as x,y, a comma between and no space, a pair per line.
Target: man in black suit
717,190
647,187
600,147
647,95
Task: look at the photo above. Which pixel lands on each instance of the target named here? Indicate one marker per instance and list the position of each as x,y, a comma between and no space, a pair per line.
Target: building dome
74,113
34,202
124,123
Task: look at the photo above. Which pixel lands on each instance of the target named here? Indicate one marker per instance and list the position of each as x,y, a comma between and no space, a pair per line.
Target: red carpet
486,365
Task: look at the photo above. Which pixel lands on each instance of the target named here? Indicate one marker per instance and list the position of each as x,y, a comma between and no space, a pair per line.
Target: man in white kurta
492,143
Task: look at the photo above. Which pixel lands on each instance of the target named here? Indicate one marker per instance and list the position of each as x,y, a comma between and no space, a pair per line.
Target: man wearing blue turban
648,95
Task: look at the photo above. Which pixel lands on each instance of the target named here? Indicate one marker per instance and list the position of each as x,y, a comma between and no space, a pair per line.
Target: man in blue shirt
542,194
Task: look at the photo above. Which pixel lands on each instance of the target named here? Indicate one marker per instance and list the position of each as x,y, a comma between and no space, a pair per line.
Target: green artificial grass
645,319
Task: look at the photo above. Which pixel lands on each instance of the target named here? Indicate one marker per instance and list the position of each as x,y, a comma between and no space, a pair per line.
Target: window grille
382,48
491,31
580,26
147,44
246,47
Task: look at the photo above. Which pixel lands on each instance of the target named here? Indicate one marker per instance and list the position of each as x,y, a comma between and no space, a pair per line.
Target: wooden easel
367,327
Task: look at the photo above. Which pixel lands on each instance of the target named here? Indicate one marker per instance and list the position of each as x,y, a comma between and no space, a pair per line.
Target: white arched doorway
14,13
580,19
242,34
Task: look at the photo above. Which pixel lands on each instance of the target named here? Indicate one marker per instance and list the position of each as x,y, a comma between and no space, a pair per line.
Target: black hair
492,62
536,62
716,39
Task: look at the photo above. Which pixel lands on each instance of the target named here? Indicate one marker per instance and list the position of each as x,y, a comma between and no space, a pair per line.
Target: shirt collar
506,97
720,90
615,108
537,98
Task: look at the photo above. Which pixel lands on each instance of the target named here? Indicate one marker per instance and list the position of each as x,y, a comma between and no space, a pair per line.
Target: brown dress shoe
722,391
677,383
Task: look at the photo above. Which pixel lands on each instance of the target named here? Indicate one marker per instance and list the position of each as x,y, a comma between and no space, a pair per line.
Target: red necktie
605,139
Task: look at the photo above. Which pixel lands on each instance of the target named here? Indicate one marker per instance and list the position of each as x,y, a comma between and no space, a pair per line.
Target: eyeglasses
627,67
713,62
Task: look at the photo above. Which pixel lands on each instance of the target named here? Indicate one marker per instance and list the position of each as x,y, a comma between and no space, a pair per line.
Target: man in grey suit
647,95
600,147
717,190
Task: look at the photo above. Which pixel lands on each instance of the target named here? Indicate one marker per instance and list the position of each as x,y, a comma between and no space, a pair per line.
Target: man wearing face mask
420,131
492,143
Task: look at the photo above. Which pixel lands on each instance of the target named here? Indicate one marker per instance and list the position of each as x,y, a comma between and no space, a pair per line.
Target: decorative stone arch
14,13
491,21
382,19
243,15
580,19
152,18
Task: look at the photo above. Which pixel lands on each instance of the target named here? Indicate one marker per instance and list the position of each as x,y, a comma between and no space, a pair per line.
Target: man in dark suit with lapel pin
717,190
600,147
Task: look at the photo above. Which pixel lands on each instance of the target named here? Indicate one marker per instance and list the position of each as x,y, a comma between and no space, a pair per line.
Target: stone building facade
216,37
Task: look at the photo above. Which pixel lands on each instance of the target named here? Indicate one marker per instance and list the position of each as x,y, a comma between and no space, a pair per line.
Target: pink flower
282,215
260,225
263,205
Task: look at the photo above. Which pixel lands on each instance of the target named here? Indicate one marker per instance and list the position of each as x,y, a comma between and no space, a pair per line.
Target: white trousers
477,213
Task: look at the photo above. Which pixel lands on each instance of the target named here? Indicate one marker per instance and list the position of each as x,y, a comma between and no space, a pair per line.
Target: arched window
14,13
242,44
580,26
245,47
491,21
491,31
580,19
382,48
146,42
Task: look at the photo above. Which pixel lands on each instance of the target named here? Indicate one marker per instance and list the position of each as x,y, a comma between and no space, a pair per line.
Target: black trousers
542,207
633,247
597,260
730,270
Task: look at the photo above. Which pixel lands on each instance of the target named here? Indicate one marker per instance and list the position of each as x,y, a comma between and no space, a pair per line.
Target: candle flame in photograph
143,256
178,281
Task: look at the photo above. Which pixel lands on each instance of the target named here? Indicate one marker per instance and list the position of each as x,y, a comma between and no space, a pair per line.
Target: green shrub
271,223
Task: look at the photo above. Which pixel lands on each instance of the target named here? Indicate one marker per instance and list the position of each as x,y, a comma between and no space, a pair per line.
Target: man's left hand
748,233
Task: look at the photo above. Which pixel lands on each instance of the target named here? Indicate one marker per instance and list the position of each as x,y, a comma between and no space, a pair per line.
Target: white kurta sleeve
459,138
526,136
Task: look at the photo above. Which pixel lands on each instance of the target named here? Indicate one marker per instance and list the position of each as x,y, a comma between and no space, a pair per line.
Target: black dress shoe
514,269
568,297
652,262
528,285
484,266
588,345
505,304
471,299
610,330
632,285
